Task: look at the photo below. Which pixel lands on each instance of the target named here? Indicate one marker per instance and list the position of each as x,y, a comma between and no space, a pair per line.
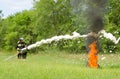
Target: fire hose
13,56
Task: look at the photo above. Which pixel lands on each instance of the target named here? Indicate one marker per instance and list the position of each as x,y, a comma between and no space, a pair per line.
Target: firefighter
21,44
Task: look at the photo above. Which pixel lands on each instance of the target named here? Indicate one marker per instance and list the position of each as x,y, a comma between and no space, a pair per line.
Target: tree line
48,18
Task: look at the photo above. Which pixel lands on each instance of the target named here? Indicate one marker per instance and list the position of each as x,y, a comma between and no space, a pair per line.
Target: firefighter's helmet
21,39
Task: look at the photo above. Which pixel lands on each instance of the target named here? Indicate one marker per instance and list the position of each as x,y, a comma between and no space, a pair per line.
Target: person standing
21,44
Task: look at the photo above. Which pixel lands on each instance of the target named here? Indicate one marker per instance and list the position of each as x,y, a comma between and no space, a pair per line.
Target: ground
58,66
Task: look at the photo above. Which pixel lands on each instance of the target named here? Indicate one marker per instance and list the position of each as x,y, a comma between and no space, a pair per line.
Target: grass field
59,66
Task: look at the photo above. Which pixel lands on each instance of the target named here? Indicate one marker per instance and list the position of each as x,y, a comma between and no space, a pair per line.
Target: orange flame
92,55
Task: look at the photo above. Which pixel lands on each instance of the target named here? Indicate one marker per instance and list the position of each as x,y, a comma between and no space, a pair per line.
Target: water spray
74,35
54,38
67,37
10,57
110,36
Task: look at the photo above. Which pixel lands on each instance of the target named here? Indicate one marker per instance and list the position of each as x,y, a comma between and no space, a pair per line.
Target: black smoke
95,15
95,20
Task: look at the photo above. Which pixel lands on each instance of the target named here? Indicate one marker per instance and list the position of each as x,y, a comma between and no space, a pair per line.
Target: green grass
59,66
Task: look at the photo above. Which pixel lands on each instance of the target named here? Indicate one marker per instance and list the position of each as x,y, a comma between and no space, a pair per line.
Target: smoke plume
94,18
94,12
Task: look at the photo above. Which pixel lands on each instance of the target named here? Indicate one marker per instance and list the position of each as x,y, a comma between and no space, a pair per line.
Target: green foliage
54,17
114,10
112,25
1,15
11,40
49,18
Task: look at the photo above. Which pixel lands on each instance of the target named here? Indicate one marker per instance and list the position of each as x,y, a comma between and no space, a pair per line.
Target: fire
92,55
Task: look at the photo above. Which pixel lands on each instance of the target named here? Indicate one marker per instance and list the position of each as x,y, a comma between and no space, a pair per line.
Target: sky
10,7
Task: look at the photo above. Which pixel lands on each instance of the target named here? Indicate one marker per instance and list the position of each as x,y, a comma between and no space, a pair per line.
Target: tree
14,27
114,10
1,15
53,17
112,25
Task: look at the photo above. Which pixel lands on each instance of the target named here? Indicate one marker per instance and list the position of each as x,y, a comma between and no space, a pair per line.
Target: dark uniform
21,44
